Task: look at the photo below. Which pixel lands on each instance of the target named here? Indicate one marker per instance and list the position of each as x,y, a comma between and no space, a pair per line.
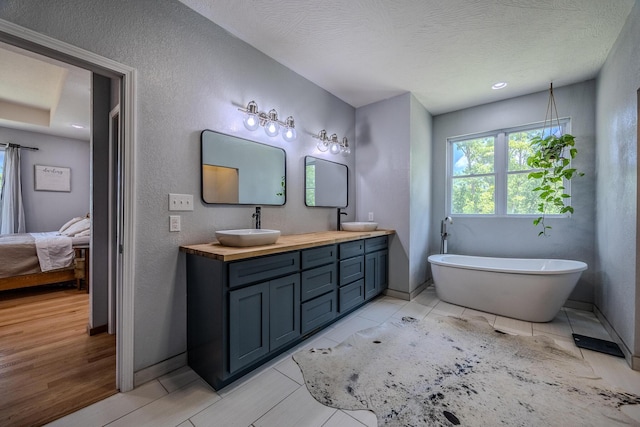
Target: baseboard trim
159,369
97,330
419,289
398,294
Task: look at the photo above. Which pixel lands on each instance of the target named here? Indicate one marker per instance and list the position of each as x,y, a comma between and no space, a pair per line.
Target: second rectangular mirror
326,183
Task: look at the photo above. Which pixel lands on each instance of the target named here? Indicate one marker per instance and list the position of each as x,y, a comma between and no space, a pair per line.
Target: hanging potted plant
551,158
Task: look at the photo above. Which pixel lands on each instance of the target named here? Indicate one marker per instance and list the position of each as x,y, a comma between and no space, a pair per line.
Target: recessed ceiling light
77,126
499,85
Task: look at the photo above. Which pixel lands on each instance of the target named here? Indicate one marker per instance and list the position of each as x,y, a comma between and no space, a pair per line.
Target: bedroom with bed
45,196
42,258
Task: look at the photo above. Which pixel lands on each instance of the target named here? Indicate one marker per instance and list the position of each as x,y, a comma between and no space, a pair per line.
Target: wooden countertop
286,243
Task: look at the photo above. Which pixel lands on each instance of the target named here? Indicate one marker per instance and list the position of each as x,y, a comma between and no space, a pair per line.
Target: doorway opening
119,266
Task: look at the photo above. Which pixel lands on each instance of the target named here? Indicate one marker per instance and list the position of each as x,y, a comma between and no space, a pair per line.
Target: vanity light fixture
332,144
253,119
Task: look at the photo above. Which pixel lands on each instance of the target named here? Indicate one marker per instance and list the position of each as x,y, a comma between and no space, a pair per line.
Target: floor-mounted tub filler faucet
444,234
257,217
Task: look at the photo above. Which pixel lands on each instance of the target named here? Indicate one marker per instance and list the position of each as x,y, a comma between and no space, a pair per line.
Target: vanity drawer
318,281
351,269
260,269
318,311
376,244
319,256
351,295
351,249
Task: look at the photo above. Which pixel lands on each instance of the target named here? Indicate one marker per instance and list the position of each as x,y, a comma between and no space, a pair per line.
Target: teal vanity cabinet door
376,261
284,310
248,325
371,281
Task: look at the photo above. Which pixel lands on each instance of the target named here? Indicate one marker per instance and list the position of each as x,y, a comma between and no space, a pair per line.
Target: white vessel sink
359,226
247,237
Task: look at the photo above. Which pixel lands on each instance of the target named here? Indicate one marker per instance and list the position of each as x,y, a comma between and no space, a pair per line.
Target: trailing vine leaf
552,157
282,184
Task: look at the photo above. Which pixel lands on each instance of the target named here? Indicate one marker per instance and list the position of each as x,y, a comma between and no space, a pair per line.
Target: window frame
500,169
3,150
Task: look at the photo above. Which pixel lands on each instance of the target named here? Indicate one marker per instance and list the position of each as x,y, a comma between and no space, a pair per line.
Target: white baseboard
159,369
406,295
398,294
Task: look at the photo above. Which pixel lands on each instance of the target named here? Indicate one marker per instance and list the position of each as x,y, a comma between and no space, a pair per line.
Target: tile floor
275,395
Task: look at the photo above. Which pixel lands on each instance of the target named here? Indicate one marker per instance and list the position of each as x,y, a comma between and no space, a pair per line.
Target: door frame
115,215
25,38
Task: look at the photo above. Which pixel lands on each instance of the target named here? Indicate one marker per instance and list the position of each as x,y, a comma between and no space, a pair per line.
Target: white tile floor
275,395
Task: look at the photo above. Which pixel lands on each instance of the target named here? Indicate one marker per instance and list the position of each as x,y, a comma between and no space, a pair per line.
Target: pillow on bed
83,225
70,223
83,233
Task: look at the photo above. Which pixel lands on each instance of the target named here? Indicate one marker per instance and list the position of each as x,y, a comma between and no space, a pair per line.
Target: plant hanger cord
551,107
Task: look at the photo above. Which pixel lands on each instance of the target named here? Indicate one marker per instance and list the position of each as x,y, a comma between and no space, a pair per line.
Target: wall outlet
370,216
180,202
174,222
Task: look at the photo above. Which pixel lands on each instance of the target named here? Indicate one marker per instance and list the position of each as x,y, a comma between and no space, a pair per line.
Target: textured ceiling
446,52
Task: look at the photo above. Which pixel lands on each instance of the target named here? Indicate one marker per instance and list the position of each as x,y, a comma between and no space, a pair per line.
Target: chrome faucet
444,234
339,219
257,217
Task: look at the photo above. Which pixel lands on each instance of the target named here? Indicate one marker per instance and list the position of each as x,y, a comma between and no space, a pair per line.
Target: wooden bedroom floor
49,365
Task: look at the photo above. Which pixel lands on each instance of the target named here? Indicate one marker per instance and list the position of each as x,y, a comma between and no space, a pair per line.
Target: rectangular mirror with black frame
326,183
239,171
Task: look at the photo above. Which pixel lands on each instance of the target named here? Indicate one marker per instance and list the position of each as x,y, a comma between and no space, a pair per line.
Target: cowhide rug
460,372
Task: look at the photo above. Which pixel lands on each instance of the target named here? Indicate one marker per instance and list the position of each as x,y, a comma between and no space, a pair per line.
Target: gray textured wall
192,75
618,293
49,210
393,182
571,238
420,193
382,160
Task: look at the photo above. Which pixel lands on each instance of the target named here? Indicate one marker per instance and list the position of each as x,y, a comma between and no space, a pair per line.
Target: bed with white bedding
33,259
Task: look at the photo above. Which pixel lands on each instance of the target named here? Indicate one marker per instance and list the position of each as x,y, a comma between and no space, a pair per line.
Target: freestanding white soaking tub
527,289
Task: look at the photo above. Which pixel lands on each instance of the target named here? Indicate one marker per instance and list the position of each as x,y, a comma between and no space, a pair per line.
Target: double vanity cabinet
247,305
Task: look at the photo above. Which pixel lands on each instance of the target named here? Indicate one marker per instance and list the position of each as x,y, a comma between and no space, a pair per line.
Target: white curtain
11,208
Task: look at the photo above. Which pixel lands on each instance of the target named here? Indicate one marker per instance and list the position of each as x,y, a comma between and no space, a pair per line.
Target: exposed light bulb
334,146
290,132
251,122
272,127
345,147
322,146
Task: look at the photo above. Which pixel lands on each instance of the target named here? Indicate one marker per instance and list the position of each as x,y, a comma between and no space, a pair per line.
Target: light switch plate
180,202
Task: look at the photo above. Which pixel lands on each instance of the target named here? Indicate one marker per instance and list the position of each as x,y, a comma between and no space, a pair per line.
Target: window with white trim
487,172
